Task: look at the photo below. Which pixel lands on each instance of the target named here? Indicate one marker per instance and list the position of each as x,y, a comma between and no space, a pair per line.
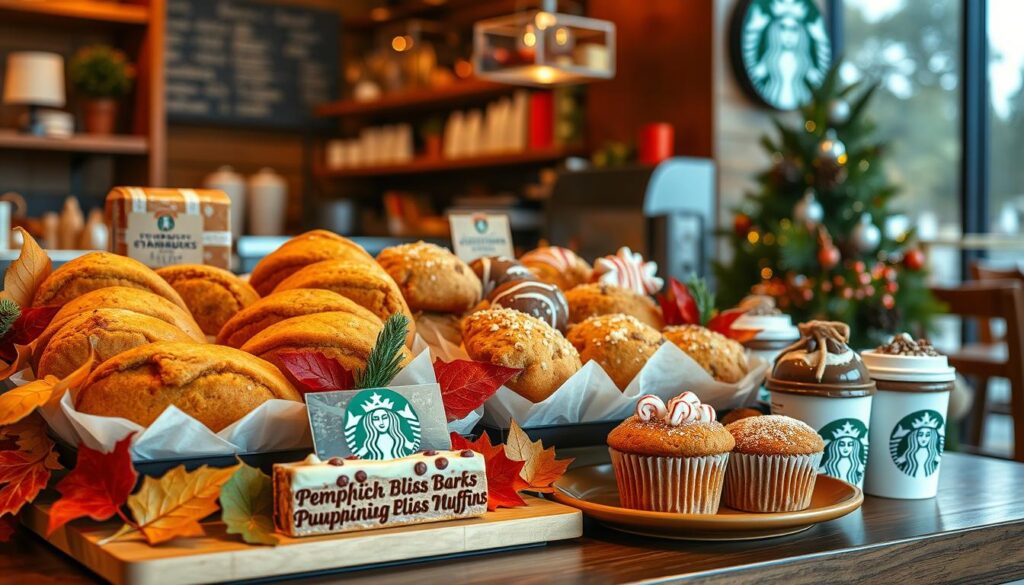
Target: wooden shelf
437,165
82,143
456,93
83,11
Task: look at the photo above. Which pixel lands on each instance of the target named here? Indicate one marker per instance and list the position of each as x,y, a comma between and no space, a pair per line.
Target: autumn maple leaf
540,468
722,323
466,384
247,500
97,487
314,371
503,474
25,471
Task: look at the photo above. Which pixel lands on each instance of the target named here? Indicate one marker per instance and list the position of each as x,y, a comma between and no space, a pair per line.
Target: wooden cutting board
219,556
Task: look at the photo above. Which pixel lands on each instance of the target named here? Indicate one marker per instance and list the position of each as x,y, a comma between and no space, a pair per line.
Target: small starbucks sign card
378,423
475,235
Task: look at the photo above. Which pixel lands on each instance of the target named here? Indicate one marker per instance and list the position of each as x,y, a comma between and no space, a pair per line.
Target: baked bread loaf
285,305
431,278
214,384
301,251
115,331
588,300
509,338
130,299
558,266
722,358
97,270
620,343
343,336
213,295
365,283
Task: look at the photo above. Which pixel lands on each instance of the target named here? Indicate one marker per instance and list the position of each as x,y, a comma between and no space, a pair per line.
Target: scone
722,358
604,299
115,331
97,270
431,278
285,305
620,343
213,384
213,295
366,284
345,337
301,251
509,338
131,299
558,266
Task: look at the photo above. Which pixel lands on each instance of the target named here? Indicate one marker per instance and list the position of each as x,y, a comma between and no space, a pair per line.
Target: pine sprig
704,298
9,313
385,358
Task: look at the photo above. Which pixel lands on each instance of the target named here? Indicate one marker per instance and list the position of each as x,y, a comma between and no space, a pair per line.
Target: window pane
1006,114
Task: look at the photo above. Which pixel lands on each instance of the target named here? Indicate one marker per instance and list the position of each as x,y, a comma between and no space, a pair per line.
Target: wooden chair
989,358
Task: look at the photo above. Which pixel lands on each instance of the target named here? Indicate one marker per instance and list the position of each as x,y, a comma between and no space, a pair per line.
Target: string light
753,236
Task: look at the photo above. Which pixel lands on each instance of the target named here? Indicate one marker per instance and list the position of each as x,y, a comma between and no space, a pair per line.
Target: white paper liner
681,485
770,483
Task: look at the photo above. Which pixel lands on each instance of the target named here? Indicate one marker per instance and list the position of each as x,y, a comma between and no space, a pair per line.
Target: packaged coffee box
160,227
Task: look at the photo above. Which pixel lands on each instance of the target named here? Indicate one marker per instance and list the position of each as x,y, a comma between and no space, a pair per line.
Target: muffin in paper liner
681,485
770,483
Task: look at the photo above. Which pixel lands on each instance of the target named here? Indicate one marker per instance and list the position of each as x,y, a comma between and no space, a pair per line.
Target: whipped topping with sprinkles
685,408
628,270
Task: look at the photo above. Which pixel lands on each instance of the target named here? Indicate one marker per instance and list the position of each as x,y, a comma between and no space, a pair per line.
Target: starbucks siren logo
779,47
381,424
917,442
846,450
165,223
480,223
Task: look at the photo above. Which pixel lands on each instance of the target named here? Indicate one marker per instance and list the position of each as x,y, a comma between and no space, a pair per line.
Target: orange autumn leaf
503,474
25,471
20,402
173,505
25,274
540,468
23,353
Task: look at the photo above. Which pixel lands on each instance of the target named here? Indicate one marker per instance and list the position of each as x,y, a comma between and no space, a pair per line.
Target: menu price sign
475,235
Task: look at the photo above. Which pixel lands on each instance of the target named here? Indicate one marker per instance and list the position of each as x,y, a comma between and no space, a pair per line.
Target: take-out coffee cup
775,331
908,423
823,382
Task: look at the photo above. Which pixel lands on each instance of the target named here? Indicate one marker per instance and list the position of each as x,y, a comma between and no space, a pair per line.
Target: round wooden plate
592,488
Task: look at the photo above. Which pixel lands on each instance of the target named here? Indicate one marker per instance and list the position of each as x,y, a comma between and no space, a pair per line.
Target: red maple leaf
97,487
24,472
466,384
503,474
314,371
25,329
722,323
678,306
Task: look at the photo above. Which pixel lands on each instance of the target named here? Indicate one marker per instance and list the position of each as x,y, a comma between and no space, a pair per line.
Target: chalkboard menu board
249,63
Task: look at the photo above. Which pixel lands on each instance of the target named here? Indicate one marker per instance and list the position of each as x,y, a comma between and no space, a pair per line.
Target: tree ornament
786,172
828,253
741,224
838,112
831,150
808,210
866,236
914,259
888,301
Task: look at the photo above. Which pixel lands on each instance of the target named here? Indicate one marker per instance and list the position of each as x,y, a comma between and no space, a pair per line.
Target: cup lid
772,327
908,368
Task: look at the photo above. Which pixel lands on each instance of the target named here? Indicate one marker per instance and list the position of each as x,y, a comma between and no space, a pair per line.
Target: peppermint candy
650,407
681,409
561,259
628,270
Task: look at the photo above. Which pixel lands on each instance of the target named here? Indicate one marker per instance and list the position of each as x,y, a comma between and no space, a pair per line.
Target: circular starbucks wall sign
846,450
381,424
778,48
917,442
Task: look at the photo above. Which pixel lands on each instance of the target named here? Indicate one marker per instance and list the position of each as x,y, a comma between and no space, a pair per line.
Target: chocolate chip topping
466,453
336,461
429,452
420,468
342,481
441,463
352,457
360,476
904,344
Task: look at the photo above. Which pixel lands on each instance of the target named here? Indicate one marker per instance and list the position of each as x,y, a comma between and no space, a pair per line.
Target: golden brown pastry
300,251
620,343
431,278
509,338
213,295
285,305
216,385
723,358
343,336
588,300
97,270
131,299
558,266
115,331
366,284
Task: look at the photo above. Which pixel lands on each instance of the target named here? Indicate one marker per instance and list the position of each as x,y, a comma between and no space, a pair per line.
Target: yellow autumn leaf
541,469
18,403
25,274
173,505
24,353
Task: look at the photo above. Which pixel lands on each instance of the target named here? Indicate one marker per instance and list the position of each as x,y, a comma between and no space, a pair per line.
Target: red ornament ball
741,224
892,287
828,256
914,259
859,267
864,278
888,301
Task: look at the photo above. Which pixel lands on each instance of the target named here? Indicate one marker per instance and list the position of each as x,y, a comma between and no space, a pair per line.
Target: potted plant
102,74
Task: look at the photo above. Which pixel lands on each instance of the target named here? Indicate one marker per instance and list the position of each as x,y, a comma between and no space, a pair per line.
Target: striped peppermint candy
650,407
628,270
684,408
561,259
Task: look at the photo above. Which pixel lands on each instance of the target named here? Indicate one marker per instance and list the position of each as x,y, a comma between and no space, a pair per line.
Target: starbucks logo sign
780,50
917,441
381,424
846,450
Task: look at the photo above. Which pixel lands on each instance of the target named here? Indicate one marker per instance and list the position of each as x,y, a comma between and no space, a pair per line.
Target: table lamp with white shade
34,79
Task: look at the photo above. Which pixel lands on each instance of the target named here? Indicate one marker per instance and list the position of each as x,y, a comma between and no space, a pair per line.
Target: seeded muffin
431,278
343,336
301,251
365,283
558,266
284,305
97,270
721,357
213,295
774,464
509,338
213,384
670,457
620,343
604,299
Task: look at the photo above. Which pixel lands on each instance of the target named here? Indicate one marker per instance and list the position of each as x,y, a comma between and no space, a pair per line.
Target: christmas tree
812,237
